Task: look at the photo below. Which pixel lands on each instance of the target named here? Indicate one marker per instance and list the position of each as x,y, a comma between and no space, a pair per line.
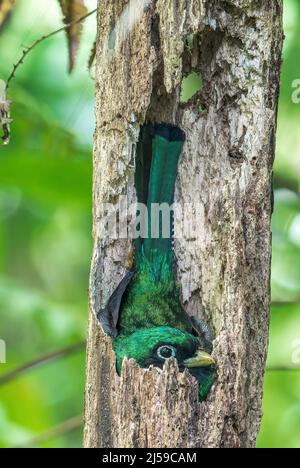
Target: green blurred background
45,234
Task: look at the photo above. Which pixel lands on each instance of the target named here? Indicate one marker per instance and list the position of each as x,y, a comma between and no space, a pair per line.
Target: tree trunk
145,48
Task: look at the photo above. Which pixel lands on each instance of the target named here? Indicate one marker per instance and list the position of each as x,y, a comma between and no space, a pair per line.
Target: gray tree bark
145,48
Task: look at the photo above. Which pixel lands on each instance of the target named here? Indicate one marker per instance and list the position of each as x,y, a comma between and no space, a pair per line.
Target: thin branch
295,301
53,433
41,39
77,347
4,379
283,369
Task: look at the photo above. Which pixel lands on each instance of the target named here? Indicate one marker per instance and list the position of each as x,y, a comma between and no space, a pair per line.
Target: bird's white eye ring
166,352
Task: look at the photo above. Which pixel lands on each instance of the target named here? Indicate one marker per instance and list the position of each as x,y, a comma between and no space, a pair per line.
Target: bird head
153,346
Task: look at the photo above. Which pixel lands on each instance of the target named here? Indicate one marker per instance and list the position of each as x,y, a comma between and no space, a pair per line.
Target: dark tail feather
158,154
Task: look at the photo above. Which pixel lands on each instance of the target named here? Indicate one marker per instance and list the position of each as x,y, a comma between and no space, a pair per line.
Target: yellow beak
201,359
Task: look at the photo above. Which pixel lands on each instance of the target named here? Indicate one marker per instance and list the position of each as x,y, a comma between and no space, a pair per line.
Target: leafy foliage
45,205
74,13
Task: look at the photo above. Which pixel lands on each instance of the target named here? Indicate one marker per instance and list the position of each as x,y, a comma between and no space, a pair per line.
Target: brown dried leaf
73,10
93,55
6,7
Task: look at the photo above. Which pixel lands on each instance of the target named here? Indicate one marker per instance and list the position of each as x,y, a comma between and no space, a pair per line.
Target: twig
4,379
282,369
64,352
41,39
294,301
53,433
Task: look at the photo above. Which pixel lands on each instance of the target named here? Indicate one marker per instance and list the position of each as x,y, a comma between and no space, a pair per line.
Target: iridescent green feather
153,298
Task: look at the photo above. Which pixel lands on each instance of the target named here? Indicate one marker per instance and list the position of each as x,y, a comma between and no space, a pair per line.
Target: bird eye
166,352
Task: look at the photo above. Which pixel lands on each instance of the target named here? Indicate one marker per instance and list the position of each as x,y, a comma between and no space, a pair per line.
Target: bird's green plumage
151,316
143,343
153,298
150,302
158,152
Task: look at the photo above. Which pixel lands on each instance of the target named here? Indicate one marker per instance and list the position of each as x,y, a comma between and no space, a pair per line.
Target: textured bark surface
145,48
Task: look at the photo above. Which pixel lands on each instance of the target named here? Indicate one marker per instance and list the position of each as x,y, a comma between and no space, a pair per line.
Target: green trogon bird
144,315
